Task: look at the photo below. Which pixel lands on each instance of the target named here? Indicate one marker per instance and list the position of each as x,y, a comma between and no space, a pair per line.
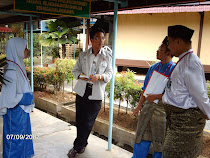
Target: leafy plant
62,31
18,29
27,62
64,67
42,76
123,83
3,40
3,63
53,76
36,45
133,93
55,52
2,56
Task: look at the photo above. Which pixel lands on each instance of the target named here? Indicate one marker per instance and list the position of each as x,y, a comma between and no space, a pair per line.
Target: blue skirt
17,138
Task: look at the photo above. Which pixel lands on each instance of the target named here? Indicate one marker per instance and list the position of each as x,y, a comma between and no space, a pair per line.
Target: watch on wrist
100,77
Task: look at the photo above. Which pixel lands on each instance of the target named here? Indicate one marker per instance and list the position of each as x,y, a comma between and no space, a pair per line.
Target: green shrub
126,88
3,63
27,62
133,93
53,76
2,56
65,66
55,52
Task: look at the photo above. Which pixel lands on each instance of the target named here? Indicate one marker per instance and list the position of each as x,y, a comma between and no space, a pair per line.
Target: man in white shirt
93,70
186,99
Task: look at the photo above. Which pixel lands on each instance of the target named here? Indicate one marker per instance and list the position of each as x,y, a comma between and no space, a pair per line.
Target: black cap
180,31
165,41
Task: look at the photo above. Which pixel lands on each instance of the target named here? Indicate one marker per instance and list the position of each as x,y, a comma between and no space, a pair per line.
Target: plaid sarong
152,125
184,137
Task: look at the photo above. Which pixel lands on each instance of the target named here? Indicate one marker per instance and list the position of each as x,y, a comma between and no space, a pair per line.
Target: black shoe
82,151
72,153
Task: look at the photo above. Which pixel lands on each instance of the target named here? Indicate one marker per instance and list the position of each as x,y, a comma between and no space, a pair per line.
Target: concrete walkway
55,137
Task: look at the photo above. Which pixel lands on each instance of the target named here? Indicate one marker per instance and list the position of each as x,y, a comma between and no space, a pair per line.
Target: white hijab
12,92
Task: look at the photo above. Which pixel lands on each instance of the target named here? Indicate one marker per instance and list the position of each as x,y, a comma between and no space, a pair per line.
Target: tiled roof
5,29
176,9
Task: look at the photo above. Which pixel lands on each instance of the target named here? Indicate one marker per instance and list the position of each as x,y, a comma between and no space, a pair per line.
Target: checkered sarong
152,125
184,137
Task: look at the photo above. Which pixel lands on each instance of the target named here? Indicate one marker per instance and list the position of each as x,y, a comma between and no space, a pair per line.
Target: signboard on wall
75,8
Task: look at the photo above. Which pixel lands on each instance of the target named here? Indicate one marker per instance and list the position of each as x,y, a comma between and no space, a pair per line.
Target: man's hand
136,110
94,78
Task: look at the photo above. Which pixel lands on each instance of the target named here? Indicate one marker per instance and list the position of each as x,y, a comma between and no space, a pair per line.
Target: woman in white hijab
16,102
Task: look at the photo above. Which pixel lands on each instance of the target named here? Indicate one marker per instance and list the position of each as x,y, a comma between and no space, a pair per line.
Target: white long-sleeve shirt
188,85
103,67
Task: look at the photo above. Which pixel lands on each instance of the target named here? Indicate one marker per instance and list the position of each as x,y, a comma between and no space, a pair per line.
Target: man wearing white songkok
16,102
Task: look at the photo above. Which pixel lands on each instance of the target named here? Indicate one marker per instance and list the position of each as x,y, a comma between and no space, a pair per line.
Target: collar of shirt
163,68
91,51
165,65
191,50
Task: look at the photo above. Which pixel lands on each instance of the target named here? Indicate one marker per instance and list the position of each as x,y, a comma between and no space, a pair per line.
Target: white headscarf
12,92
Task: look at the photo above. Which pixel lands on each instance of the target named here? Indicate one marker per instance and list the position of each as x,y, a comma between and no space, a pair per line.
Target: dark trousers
86,113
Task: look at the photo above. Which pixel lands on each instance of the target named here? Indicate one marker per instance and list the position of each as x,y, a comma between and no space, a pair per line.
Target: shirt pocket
84,66
102,67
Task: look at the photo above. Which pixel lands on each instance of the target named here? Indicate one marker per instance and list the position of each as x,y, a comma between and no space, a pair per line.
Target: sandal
72,153
82,150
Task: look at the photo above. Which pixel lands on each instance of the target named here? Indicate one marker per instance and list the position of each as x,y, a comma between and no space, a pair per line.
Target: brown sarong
152,125
184,137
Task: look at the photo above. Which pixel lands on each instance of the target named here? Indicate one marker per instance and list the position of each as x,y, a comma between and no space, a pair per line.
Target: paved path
207,127
55,138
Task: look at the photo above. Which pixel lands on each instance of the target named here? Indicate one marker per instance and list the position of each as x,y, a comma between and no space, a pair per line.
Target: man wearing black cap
151,113
186,99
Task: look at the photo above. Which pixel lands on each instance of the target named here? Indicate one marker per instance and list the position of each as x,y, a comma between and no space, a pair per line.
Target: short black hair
94,31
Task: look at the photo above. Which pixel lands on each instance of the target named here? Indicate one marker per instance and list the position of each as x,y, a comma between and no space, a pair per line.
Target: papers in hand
83,76
156,84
